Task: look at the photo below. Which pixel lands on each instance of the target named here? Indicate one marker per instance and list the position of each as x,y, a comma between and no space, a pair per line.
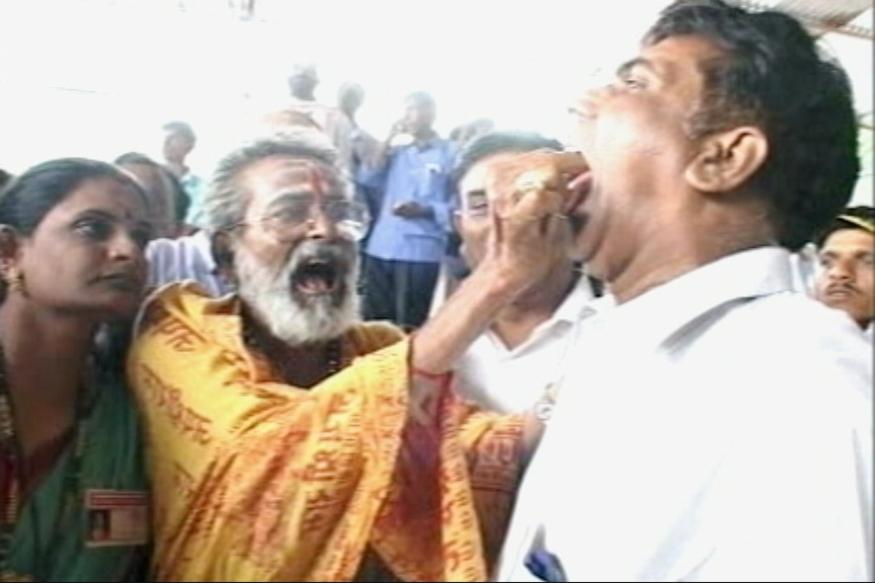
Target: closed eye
633,81
633,74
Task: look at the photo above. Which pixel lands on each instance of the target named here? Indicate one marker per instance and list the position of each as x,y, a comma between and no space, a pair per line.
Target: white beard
271,301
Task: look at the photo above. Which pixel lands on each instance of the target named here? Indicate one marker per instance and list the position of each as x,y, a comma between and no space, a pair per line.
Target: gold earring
14,280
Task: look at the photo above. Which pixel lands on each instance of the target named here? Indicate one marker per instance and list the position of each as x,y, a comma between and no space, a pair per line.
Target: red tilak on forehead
317,179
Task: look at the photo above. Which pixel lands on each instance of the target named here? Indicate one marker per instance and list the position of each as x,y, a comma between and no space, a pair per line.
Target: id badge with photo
116,518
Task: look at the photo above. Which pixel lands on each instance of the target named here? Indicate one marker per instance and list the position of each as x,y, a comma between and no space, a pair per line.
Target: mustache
340,255
842,286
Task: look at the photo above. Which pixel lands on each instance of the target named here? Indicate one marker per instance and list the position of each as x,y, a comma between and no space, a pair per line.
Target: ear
10,245
727,160
221,246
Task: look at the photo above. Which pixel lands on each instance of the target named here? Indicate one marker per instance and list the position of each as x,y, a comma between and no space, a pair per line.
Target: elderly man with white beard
287,439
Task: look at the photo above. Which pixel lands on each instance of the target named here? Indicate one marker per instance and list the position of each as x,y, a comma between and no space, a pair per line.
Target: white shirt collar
657,314
571,310
574,303
201,241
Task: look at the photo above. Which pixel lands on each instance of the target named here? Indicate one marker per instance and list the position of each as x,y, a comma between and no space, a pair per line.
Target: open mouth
580,186
316,277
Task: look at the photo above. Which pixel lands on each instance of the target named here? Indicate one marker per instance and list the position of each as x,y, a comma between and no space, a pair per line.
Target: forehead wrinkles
285,174
263,180
317,180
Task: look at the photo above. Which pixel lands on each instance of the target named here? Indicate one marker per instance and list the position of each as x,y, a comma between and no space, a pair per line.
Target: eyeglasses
349,217
475,206
474,213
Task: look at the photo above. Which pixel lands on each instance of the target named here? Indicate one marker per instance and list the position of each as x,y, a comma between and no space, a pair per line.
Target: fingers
529,196
570,163
519,175
533,201
538,204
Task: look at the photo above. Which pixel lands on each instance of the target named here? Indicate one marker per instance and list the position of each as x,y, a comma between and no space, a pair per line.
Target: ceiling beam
840,24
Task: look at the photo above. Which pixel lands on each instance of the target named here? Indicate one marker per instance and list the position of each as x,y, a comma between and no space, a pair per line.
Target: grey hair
225,201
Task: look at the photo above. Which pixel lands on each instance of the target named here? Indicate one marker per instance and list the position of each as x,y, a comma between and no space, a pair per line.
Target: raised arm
532,193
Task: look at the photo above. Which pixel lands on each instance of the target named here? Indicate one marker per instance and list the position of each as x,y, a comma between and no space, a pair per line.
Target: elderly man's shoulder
184,300
370,336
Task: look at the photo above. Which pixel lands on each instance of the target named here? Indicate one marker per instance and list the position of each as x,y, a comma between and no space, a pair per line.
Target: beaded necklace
333,355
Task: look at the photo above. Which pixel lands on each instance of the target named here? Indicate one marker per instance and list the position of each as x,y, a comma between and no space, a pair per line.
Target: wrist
498,282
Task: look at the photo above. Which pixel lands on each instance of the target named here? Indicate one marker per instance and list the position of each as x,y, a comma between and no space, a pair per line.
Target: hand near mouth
561,176
533,194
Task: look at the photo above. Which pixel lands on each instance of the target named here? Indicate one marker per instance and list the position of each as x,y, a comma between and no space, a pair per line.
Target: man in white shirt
516,365
302,82
187,258
715,424
847,266
179,141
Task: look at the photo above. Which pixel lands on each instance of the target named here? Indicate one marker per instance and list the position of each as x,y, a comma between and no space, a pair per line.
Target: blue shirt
420,173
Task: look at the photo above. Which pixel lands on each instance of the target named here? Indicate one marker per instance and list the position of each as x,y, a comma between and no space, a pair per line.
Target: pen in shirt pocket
545,566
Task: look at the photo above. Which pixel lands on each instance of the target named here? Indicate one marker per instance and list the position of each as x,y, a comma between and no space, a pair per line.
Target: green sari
49,541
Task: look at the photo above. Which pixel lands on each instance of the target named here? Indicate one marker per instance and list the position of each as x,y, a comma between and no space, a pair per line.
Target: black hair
181,128
771,75
5,178
496,143
29,197
136,158
866,213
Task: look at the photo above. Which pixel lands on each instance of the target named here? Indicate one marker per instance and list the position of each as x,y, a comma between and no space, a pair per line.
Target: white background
98,77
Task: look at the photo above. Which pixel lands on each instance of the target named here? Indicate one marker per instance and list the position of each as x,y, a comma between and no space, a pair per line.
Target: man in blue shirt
407,242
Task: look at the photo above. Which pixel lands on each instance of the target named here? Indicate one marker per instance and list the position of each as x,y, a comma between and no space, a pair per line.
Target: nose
840,271
124,247
320,226
594,95
584,108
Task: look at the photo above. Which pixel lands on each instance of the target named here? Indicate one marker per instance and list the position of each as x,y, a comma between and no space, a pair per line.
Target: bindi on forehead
318,183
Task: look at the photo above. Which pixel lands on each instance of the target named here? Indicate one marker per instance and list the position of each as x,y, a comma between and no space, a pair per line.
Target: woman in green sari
73,504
